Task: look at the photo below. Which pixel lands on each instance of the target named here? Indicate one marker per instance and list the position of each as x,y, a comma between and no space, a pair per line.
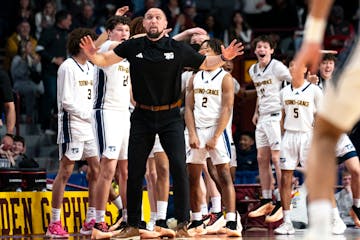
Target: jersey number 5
296,112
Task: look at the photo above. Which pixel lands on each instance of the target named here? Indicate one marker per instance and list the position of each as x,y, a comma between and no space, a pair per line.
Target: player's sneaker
232,230
55,230
265,208
101,231
216,222
276,214
355,214
118,221
162,228
206,218
196,228
87,227
182,231
286,228
128,233
337,226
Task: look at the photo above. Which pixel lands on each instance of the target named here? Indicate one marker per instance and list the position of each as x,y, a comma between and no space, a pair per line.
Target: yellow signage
30,212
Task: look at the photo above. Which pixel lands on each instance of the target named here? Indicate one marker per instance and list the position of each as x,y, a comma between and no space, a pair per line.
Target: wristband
223,58
314,29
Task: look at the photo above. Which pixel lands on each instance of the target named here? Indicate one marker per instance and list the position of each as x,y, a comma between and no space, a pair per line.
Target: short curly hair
73,43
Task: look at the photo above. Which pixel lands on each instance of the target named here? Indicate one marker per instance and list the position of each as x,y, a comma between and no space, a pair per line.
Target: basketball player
300,101
345,150
207,112
339,112
75,135
112,123
267,75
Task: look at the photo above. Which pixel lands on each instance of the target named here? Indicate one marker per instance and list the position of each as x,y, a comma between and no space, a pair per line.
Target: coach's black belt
159,108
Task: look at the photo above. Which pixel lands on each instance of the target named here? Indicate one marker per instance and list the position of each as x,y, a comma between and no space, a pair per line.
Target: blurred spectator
25,11
136,26
284,17
7,20
26,74
20,158
147,5
7,105
255,10
246,152
239,30
212,27
344,199
52,49
45,18
22,34
338,30
171,9
86,18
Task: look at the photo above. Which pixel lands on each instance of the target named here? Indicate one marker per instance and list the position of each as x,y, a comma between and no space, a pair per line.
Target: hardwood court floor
251,234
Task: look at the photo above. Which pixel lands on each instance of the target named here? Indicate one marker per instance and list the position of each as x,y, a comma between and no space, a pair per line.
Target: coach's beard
153,35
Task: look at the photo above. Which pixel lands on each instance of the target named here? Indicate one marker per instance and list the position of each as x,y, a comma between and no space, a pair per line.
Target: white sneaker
285,229
338,226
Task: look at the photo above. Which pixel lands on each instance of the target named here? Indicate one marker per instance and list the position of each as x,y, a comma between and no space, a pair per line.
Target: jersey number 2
204,102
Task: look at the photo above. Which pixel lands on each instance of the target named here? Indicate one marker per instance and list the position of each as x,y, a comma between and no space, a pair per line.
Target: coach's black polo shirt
156,67
6,94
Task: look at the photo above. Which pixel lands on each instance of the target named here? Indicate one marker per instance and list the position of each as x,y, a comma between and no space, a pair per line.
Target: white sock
230,216
124,214
196,216
204,209
100,216
118,203
335,213
90,214
266,194
320,212
356,202
287,218
55,214
216,204
161,207
153,216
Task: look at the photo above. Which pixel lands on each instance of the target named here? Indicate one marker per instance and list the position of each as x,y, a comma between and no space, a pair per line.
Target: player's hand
194,141
313,78
121,11
255,118
87,44
308,56
234,49
210,145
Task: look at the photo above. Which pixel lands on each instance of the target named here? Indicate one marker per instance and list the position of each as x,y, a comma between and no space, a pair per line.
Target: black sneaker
119,216
232,230
142,225
355,214
162,228
161,223
122,225
196,228
195,223
276,214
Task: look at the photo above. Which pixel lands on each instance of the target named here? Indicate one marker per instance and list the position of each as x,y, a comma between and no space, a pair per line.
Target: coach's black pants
170,127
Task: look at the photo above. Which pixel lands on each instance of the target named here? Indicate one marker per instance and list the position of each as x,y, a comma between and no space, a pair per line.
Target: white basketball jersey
74,100
300,105
268,82
112,84
207,87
